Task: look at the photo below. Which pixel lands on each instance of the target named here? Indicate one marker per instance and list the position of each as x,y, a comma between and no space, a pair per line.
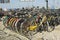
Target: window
4,1
27,0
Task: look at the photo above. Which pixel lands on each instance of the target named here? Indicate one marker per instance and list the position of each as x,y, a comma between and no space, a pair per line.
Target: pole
47,4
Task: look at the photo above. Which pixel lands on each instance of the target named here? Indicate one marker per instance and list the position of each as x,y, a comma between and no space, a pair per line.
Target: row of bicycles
28,24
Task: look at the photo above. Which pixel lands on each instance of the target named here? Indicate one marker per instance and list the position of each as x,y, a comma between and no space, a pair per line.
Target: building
18,3
4,1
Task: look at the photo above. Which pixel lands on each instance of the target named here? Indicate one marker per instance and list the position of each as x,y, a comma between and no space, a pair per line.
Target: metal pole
47,4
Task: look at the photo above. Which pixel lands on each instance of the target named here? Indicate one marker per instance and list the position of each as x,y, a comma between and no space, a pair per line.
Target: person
39,18
44,19
29,15
1,15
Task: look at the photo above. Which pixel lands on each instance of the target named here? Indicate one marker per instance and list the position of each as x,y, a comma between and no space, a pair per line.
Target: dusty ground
54,35
9,35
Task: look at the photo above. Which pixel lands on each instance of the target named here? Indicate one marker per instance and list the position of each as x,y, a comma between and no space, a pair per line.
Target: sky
19,4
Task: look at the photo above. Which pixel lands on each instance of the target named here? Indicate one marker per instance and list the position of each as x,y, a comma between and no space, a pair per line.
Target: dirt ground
7,34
